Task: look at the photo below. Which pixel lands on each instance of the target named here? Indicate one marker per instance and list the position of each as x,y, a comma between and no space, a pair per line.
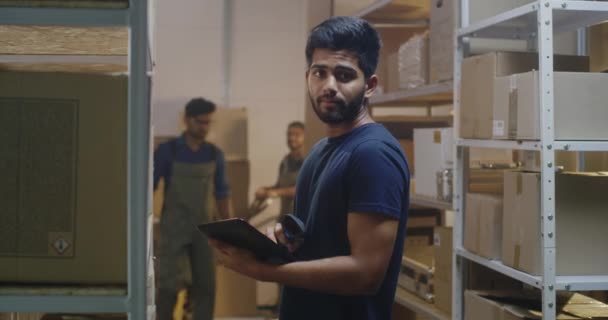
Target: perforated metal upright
135,17
538,21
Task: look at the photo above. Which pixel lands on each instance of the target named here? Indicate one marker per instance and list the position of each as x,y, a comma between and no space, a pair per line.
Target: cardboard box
581,222
483,225
432,153
598,47
238,176
477,87
596,161
414,62
235,294
443,268
487,181
524,305
64,167
441,40
423,254
517,112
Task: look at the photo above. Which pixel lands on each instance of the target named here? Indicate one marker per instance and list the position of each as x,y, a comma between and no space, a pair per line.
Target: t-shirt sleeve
376,179
162,162
222,189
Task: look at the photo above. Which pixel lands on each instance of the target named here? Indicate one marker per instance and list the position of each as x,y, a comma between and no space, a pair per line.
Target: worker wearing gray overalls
285,187
195,185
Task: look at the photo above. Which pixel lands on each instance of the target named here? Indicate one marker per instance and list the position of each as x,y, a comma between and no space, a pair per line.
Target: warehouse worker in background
352,192
195,180
285,188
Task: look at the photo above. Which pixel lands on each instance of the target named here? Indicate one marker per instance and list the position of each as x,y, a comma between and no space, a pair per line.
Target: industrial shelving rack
132,14
536,22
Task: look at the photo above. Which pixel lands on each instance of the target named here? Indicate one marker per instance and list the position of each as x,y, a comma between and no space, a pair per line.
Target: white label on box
436,239
499,128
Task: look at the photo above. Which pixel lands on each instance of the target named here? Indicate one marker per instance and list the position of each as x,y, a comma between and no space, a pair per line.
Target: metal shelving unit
537,21
133,301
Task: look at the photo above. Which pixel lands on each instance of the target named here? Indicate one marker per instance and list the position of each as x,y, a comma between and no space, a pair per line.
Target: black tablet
240,233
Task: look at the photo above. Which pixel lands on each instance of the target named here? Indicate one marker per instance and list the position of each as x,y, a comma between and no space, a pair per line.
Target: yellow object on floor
178,312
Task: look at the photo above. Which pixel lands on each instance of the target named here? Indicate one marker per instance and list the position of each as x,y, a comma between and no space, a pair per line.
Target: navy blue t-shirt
363,171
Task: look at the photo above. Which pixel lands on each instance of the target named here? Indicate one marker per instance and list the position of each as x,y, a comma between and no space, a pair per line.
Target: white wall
268,76
189,58
267,66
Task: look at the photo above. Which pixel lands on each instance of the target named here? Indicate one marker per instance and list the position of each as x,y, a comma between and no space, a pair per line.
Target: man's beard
343,112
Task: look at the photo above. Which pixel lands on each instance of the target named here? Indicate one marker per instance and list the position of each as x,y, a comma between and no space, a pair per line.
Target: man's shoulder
167,145
215,150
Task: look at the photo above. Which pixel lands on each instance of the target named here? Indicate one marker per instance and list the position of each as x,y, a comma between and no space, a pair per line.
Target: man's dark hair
296,124
198,106
347,33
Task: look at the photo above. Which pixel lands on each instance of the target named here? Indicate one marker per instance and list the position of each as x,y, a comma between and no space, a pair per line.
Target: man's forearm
223,207
284,192
338,275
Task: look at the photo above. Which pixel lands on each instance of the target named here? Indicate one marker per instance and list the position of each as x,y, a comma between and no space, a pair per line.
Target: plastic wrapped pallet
414,62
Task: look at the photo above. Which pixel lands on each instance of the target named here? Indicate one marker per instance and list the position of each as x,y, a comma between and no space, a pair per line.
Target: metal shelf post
138,159
547,210
136,19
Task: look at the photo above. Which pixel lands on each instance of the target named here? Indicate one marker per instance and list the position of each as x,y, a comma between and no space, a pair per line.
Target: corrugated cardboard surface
414,62
523,305
64,40
443,268
477,88
581,206
579,106
596,161
581,223
487,181
598,47
235,294
100,204
521,221
478,308
442,40
392,38
483,225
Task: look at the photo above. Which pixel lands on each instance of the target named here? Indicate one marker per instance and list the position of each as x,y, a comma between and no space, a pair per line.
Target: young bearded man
351,194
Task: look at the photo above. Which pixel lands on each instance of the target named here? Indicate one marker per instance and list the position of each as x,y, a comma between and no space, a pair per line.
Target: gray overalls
189,201
288,174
